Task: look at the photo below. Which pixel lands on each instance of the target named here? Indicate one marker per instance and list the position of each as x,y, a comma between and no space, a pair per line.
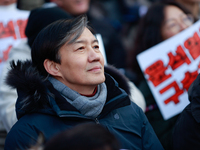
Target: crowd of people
56,92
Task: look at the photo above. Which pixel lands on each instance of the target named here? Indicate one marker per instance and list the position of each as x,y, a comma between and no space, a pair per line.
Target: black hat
40,18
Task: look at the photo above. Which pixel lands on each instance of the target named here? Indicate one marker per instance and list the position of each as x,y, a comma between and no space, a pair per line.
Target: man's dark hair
49,41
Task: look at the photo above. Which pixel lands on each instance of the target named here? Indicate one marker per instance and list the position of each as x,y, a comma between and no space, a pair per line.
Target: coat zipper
97,121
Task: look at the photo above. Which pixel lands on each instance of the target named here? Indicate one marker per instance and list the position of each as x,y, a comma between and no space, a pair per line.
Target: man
38,19
65,85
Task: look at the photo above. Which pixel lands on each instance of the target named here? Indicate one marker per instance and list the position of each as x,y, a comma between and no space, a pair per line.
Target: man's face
7,2
82,64
74,7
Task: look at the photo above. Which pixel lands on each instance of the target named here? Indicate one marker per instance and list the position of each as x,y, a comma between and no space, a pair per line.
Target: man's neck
90,95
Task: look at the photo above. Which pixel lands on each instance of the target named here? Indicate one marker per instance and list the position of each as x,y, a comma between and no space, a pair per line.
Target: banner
12,30
170,67
101,47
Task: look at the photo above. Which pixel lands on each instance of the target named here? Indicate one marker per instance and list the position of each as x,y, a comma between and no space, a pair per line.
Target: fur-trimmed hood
32,87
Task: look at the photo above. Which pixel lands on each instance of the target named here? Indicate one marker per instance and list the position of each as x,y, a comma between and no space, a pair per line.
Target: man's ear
51,67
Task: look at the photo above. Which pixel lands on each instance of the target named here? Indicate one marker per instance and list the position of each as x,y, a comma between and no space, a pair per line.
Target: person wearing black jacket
64,85
186,133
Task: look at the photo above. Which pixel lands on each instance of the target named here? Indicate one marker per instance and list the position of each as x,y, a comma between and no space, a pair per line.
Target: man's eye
96,46
80,48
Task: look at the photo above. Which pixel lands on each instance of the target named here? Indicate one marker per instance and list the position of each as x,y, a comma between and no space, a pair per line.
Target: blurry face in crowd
188,1
82,64
74,7
175,21
7,2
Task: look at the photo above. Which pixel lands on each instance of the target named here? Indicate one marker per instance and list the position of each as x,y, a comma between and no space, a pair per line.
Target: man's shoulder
134,110
21,132
26,130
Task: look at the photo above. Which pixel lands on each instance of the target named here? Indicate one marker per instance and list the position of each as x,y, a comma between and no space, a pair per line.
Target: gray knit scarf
88,106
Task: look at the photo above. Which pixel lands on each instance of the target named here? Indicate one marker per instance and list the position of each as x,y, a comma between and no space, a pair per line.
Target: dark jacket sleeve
186,132
15,138
187,129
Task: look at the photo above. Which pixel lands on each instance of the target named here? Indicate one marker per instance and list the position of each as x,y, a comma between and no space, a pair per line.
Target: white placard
101,47
12,30
170,67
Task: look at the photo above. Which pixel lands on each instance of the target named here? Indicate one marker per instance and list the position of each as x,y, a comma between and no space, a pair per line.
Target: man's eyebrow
84,41
95,41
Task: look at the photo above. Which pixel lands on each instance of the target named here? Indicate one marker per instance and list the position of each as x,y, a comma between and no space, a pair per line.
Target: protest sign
101,47
12,30
170,67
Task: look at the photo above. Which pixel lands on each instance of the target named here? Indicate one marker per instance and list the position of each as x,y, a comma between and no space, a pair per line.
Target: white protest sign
101,47
12,30
170,67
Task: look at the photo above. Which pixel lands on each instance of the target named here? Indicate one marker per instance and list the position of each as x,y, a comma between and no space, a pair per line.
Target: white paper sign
12,30
170,67
101,47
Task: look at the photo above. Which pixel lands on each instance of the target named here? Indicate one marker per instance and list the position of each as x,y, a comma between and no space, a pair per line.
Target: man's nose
93,55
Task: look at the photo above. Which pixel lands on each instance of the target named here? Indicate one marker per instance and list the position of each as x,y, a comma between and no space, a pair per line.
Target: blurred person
186,133
154,30
8,8
73,7
86,136
29,5
162,21
124,16
22,51
65,85
192,6
7,2
5,6
132,12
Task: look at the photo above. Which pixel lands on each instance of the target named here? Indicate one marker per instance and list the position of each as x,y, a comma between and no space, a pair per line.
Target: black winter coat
41,109
186,134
